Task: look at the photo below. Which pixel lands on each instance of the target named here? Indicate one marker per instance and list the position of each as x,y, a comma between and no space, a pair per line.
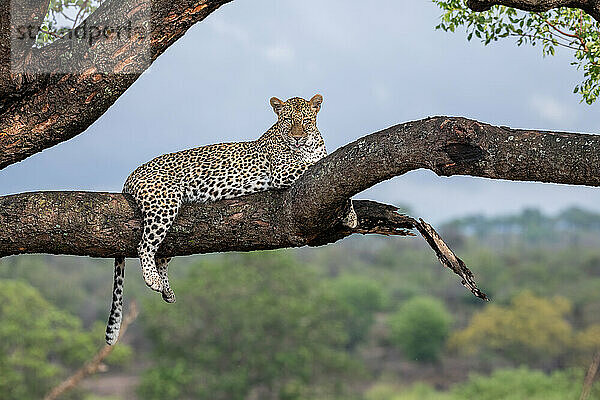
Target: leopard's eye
286,123
307,121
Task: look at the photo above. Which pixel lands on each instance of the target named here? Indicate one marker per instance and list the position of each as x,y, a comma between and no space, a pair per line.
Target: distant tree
256,323
420,328
586,344
578,219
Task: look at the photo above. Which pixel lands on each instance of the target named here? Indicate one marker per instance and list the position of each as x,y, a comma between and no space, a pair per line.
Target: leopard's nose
297,131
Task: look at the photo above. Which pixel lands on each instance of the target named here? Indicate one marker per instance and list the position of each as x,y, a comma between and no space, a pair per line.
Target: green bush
420,328
254,324
506,384
418,391
523,383
363,298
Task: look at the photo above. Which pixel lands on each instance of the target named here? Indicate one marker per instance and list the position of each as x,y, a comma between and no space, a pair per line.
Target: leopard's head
297,120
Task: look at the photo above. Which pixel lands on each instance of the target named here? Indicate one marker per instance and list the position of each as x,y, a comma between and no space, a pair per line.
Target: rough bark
310,212
29,12
109,224
447,146
39,110
591,7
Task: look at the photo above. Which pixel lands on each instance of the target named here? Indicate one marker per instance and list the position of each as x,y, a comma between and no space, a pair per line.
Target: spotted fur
213,172
116,310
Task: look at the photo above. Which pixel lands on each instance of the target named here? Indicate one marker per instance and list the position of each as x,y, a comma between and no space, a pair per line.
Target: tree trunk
62,88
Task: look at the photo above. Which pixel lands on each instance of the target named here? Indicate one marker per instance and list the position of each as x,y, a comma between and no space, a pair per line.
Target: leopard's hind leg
159,214
162,265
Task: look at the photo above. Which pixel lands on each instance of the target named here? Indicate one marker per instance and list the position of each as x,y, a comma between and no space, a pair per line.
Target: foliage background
368,318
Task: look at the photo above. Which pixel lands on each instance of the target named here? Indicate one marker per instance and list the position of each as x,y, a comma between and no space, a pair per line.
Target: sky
376,64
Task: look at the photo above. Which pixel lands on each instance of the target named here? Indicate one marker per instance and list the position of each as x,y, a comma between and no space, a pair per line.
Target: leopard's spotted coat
213,172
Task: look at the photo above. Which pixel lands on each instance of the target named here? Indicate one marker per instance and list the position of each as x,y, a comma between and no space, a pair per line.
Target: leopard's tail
116,309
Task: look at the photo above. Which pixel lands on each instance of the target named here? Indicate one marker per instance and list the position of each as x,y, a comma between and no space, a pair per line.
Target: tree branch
311,211
45,107
447,146
106,225
589,377
95,363
109,224
592,7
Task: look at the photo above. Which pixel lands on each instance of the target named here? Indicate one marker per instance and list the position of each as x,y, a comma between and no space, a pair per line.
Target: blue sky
375,63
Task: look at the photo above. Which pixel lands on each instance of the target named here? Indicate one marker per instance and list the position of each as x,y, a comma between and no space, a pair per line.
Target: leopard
213,172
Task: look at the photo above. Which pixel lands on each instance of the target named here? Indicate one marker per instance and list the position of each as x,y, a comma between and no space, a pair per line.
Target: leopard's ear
276,104
315,102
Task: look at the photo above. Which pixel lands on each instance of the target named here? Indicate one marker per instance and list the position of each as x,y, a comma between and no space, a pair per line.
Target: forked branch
311,211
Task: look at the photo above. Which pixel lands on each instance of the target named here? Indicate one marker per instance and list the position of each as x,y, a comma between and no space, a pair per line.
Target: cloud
232,31
550,110
280,53
381,93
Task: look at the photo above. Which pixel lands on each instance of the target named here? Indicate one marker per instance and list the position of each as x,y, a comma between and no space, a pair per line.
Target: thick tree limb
447,146
14,14
591,7
310,212
109,224
21,13
39,110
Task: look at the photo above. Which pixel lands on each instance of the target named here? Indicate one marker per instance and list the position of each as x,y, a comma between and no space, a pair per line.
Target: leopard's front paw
153,280
168,295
